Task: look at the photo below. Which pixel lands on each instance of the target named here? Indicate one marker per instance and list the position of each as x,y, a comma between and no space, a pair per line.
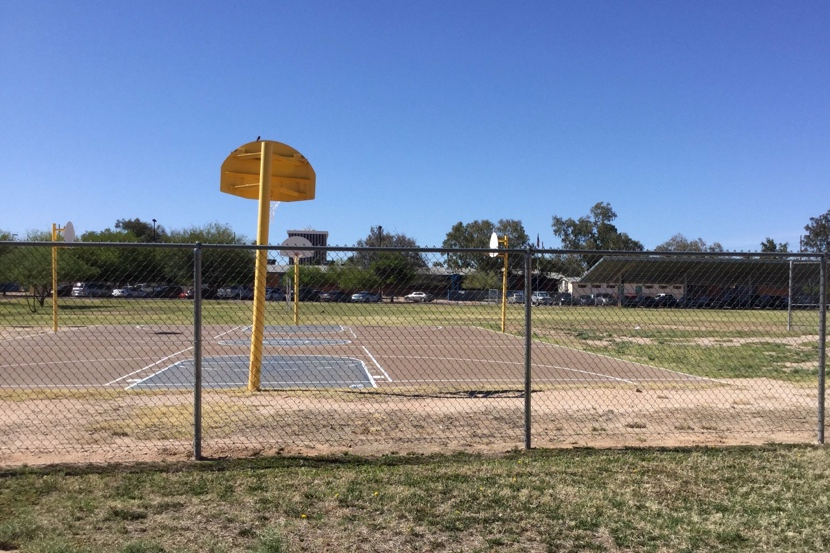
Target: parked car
586,299
365,297
565,298
274,294
663,300
418,297
208,293
516,297
541,298
64,290
307,294
129,292
166,291
91,290
236,292
604,298
333,296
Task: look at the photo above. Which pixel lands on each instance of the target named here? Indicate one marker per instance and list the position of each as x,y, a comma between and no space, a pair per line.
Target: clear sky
706,118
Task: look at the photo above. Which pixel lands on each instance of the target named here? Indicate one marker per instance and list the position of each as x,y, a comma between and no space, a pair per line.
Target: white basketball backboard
69,232
297,245
494,244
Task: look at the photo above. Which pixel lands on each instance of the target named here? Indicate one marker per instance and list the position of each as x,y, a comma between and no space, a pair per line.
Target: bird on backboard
257,139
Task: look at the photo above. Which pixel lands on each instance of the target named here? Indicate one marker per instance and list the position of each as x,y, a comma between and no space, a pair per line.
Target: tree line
580,237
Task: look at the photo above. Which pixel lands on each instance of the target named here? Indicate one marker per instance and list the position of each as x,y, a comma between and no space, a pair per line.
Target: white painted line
375,361
71,362
229,331
369,375
168,367
148,367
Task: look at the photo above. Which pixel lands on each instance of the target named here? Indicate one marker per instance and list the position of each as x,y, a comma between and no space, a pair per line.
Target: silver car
541,298
365,297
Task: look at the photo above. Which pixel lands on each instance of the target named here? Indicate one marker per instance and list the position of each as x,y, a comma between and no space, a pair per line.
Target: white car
129,292
418,297
274,294
365,297
541,298
516,297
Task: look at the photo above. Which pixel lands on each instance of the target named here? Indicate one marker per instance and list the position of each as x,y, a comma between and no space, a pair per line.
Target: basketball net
274,206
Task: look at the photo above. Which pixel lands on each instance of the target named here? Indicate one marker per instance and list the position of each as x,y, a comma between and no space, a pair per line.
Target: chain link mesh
383,350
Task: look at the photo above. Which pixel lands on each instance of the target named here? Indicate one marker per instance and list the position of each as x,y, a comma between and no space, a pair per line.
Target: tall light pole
380,236
154,230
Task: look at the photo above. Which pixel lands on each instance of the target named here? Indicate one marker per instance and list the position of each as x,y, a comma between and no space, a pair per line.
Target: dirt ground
160,426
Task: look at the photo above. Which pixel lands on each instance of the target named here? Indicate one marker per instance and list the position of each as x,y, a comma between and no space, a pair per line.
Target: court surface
152,357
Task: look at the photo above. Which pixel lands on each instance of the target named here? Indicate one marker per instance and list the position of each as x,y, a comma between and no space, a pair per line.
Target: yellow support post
296,290
504,289
261,268
55,230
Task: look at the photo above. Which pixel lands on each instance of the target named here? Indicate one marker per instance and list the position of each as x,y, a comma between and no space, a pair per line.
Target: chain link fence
137,351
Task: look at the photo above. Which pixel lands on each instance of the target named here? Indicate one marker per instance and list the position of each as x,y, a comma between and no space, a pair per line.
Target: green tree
392,272
310,277
5,236
220,266
595,231
31,267
769,245
564,264
817,238
481,280
377,238
477,235
351,277
119,265
679,243
142,230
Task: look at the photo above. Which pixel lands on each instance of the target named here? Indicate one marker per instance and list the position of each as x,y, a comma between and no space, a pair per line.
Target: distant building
317,238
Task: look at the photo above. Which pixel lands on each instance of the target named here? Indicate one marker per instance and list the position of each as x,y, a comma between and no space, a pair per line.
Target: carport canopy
723,271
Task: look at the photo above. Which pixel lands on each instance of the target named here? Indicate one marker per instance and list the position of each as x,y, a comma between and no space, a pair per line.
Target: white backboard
494,244
69,232
297,245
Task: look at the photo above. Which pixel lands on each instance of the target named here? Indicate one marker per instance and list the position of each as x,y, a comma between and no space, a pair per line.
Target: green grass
646,322
731,499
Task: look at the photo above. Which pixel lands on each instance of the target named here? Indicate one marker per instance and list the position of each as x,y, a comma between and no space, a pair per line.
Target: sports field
119,376
147,357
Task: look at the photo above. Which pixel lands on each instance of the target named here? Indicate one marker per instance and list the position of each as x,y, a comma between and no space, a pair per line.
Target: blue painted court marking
278,372
287,342
299,329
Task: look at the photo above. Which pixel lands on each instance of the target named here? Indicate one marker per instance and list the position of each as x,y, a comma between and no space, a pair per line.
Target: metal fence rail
160,350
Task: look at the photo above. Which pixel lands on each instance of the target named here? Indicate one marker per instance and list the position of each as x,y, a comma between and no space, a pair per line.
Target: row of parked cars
563,298
104,290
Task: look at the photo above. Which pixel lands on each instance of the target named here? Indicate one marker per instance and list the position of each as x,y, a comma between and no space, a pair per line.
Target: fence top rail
806,257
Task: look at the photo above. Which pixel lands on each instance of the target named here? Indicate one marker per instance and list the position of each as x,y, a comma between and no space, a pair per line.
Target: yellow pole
296,290
54,279
504,289
261,268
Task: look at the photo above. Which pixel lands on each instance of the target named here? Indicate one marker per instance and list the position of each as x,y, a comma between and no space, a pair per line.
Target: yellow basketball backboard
292,177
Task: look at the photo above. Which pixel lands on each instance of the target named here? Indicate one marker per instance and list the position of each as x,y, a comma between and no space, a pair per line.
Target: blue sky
705,118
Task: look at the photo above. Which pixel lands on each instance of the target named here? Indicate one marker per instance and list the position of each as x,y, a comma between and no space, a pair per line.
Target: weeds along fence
140,351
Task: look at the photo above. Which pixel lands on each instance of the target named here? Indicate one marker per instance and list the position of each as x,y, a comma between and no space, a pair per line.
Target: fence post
822,343
197,352
528,343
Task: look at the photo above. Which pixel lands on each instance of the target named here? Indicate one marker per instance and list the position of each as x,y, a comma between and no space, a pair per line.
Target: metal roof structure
702,270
